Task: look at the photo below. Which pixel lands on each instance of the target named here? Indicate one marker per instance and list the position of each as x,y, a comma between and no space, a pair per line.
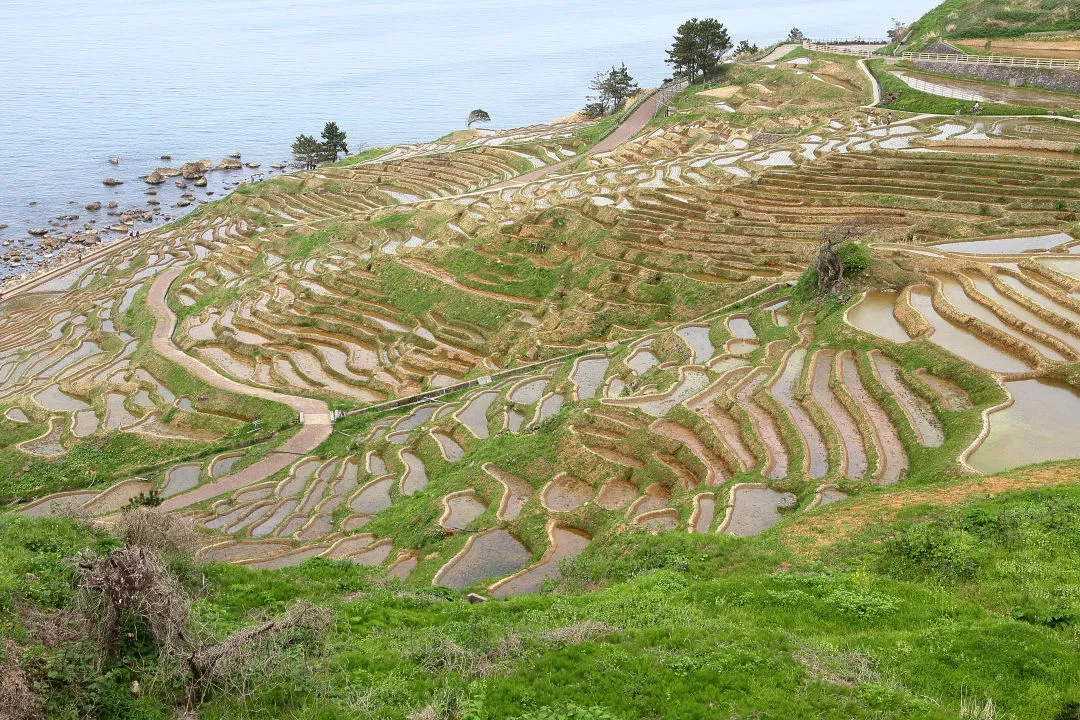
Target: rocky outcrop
201,182
111,182
38,231
154,178
94,206
229,164
192,170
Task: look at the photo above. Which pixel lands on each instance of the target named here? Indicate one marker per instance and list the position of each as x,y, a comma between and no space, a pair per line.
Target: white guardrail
1054,63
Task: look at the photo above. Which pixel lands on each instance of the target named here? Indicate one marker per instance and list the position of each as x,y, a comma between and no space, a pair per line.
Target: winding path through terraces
316,421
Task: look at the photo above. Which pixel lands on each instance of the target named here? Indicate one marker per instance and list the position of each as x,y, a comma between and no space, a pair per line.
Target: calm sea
84,81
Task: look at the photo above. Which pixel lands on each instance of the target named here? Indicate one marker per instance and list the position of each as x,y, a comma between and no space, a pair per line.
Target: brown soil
816,532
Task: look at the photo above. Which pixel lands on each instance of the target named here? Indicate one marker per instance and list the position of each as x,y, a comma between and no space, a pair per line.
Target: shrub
854,256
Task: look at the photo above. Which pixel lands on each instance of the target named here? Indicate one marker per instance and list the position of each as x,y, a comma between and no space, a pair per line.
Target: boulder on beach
38,231
183,184
252,165
112,181
192,170
235,155
229,164
93,206
165,157
201,182
278,166
112,204
153,201
167,171
182,203
114,161
154,178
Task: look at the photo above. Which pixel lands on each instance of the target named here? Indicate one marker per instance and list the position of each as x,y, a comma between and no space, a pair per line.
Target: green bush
855,257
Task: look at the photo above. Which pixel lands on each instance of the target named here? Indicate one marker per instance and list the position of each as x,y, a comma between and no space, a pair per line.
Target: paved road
778,53
315,430
874,87
628,129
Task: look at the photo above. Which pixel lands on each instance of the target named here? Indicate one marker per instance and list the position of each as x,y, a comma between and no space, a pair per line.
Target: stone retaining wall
1062,80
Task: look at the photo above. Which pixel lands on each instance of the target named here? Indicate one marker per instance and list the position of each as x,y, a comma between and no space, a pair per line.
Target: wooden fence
839,49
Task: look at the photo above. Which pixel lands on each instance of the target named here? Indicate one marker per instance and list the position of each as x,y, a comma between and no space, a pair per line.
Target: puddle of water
874,314
402,568
962,343
463,509
451,451
223,465
516,492
984,286
529,392
566,543
375,464
954,293
1006,246
659,520
697,338
514,420
641,361
52,398
181,478
616,494
491,554
16,415
1039,298
890,449
270,524
830,495
1039,426
549,407
740,347
588,376
116,497
415,478
565,493
776,460
727,429
740,327
756,510
373,497
953,396
58,505
288,559
847,428
656,497
416,419
692,382
298,478
784,391
919,413
704,510
474,415
85,424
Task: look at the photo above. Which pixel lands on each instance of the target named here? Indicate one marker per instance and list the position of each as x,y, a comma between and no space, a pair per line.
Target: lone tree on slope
306,152
613,88
795,36
477,116
698,48
333,142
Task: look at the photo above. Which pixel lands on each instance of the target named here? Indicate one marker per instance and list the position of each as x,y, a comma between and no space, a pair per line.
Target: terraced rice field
635,358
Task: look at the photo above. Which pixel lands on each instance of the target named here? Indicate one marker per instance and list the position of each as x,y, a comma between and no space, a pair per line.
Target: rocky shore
64,237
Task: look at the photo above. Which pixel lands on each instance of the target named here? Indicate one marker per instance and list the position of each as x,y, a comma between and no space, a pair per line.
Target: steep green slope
915,618
993,19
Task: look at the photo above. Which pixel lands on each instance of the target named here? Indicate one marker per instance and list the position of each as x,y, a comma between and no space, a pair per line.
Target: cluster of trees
308,152
612,89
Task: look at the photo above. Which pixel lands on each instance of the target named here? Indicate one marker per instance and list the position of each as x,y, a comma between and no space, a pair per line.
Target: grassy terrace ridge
918,614
917,101
992,19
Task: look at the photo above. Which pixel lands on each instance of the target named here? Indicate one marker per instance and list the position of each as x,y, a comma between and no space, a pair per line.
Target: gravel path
316,426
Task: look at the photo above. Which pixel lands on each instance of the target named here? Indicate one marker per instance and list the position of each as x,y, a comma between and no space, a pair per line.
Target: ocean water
84,81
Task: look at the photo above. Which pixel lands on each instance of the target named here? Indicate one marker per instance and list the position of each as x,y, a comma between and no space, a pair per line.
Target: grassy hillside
993,19
932,614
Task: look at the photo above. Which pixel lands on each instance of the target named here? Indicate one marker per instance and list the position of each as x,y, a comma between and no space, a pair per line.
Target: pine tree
612,89
306,151
333,143
698,48
477,116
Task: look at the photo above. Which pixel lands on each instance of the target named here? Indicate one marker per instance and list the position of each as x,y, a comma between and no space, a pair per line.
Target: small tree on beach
333,142
306,152
698,48
477,116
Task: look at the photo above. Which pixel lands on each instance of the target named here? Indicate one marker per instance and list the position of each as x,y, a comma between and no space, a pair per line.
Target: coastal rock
235,155
153,201
114,161
38,231
111,182
165,157
119,228
182,203
94,206
229,164
192,170
278,166
252,165
201,182
151,192
112,204
168,171
126,219
154,178
183,184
